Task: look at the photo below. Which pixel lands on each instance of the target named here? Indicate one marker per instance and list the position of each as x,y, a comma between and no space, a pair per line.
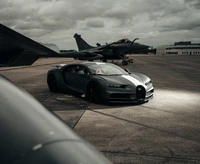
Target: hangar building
179,48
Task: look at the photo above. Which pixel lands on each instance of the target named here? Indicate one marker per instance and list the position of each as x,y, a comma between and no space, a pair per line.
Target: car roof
92,63
83,64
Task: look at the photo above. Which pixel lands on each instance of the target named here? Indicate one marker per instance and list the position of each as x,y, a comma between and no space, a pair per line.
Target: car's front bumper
126,95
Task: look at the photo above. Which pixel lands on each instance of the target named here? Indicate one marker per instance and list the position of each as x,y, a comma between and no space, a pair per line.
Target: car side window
82,70
76,69
71,69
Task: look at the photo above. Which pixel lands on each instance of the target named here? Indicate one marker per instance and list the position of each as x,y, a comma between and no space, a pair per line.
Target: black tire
124,62
51,81
104,60
94,93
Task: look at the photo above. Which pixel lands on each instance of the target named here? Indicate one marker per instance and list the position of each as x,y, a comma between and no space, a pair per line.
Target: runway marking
163,82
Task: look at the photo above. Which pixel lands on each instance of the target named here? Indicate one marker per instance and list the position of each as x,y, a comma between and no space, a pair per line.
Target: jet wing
16,49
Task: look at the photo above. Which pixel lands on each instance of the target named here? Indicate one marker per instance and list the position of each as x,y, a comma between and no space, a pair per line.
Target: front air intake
140,92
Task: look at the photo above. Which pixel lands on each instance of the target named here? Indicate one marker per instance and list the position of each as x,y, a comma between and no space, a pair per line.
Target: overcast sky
155,22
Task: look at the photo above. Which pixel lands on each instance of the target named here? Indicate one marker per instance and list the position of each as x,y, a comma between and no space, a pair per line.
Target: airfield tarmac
164,130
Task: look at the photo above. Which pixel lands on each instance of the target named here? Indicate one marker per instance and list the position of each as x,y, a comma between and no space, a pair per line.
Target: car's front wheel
52,83
94,93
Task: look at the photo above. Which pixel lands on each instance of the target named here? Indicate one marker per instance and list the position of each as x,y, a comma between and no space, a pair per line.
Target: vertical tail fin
82,44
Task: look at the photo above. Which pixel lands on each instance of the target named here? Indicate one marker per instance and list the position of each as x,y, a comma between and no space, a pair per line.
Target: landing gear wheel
124,62
51,81
104,60
94,93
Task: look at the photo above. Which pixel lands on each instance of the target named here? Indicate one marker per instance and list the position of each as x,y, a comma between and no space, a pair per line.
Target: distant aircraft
115,50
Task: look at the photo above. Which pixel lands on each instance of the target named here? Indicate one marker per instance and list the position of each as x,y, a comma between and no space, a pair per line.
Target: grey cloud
81,10
51,19
42,28
189,25
193,3
168,9
118,13
36,18
27,25
34,33
95,23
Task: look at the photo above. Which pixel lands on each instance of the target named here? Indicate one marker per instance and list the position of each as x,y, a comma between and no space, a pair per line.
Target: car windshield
106,69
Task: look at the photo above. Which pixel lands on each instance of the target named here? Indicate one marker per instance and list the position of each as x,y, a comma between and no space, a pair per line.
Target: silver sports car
100,82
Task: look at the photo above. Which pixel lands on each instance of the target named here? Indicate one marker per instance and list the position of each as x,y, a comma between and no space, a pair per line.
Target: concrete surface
164,130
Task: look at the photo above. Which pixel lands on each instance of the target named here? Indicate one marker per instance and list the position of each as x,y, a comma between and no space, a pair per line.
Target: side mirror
127,70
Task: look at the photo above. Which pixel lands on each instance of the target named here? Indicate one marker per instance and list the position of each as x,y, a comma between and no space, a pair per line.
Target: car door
81,79
76,78
69,75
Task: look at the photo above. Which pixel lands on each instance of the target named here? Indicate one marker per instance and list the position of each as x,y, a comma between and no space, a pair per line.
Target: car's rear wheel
52,83
94,93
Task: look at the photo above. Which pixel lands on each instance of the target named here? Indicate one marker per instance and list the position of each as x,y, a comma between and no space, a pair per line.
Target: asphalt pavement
164,130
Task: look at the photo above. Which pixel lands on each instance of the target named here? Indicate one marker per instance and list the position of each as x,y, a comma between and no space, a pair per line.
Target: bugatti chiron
100,82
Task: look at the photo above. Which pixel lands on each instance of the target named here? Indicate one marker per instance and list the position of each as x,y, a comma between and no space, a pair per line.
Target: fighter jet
114,50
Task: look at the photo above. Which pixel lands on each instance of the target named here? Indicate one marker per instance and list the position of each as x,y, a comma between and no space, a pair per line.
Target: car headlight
117,85
148,82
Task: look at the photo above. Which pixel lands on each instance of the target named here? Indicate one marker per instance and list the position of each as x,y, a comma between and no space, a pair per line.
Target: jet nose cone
147,47
140,46
144,46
